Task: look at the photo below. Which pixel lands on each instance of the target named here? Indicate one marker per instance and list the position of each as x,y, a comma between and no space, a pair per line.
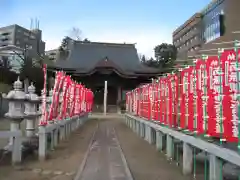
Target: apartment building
212,27
52,54
187,37
30,40
16,41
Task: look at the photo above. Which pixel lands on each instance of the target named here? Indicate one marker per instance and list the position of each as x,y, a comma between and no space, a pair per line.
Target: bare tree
140,56
75,33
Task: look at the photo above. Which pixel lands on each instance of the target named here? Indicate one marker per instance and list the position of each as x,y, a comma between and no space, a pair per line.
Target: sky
145,22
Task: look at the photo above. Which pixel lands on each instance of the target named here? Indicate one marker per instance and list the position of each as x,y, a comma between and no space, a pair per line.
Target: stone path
104,159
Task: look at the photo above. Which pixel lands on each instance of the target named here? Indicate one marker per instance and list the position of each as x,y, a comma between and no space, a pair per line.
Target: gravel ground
144,161
62,164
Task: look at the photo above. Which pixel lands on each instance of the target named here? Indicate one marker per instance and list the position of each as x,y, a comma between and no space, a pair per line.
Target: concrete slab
105,160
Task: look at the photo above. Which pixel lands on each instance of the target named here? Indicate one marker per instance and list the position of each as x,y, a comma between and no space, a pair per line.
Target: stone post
214,167
142,130
42,148
119,99
148,134
169,147
187,159
31,112
137,127
15,113
159,140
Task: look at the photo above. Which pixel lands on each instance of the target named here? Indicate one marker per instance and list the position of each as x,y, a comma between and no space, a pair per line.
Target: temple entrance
98,95
111,98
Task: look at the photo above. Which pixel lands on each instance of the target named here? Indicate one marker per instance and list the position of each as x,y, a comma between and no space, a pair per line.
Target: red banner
160,102
66,85
170,100
155,101
230,105
55,94
158,96
212,68
141,100
43,120
183,100
175,103
60,88
200,85
164,89
138,100
190,96
150,101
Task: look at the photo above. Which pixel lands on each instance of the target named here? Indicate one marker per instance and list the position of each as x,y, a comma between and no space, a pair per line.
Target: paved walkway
104,159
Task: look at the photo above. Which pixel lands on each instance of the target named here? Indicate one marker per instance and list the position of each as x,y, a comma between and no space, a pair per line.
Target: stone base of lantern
14,126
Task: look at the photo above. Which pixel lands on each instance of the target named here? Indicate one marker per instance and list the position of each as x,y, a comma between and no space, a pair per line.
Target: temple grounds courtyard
64,162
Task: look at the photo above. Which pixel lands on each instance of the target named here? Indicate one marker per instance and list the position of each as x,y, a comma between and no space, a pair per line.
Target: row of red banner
68,99
200,98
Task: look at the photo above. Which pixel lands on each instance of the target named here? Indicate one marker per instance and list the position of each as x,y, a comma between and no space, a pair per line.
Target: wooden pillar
119,98
105,99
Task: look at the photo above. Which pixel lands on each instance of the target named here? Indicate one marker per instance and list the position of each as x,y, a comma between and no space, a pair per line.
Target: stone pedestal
148,134
42,148
14,126
142,130
138,127
214,167
30,127
187,159
169,147
159,140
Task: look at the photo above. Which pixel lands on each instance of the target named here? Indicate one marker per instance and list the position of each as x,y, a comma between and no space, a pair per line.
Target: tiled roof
85,56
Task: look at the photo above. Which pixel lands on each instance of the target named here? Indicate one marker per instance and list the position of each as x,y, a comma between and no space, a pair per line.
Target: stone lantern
15,114
31,112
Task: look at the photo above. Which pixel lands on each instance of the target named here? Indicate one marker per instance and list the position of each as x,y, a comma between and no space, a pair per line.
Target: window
33,37
5,33
29,47
5,39
26,33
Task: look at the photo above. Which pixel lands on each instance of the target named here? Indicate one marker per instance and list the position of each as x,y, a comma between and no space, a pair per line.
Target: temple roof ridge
105,43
